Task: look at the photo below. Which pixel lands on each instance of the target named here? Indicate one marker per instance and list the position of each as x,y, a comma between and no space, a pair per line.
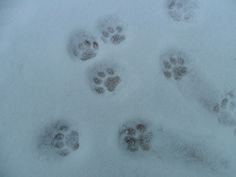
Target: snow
40,84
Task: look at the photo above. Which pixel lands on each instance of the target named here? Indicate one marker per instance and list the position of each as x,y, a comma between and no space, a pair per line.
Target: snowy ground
40,83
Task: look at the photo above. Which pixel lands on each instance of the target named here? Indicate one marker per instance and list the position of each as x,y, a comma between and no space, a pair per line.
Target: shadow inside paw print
112,30
182,10
83,45
135,136
105,79
173,66
60,139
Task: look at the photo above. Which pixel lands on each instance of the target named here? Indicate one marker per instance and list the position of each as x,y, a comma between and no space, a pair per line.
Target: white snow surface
40,83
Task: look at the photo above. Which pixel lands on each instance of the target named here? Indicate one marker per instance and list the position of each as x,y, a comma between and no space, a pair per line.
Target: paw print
226,108
225,103
181,10
112,30
136,136
60,139
104,79
83,45
174,65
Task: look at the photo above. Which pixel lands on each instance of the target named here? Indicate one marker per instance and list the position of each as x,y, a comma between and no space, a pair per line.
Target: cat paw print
83,45
104,79
226,108
60,138
136,136
112,30
174,65
182,10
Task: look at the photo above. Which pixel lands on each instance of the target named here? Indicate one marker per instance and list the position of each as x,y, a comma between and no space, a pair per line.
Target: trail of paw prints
182,10
135,136
59,138
83,45
139,137
105,78
174,65
111,30
226,108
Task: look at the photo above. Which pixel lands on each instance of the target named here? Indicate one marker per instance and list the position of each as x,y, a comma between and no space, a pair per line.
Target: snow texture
117,88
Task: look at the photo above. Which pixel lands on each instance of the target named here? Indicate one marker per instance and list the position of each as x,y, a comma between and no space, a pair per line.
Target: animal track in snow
136,136
182,10
105,78
174,65
177,67
83,45
112,30
226,108
59,138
